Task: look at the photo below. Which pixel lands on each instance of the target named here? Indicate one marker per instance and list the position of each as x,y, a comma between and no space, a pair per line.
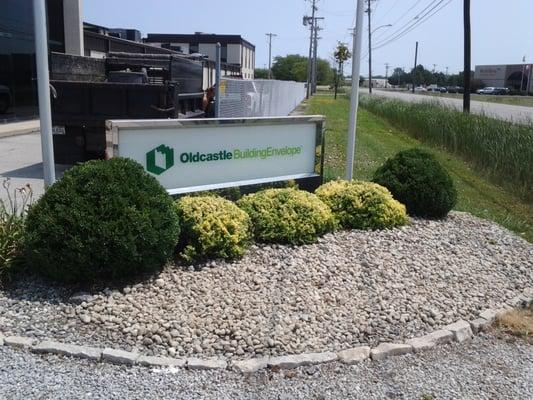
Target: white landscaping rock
355,355
488,315
214,363
19,341
299,360
250,366
71,350
461,330
119,356
385,350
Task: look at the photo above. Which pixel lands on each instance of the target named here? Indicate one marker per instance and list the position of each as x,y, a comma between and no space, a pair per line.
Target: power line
414,19
418,22
417,2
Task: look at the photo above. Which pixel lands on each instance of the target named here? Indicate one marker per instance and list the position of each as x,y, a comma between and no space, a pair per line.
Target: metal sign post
356,66
43,86
218,79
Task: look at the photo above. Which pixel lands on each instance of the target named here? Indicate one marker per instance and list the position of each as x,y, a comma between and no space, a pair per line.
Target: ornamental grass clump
287,216
416,179
103,220
362,205
12,219
212,227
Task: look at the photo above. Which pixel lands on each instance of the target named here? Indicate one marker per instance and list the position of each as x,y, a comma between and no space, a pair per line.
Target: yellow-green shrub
287,216
362,205
212,227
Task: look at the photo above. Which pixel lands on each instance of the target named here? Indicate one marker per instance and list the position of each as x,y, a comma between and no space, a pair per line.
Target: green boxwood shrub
362,205
212,227
103,220
416,179
287,216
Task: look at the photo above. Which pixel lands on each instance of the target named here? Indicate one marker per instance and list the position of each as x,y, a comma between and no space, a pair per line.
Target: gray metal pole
218,79
43,87
369,47
354,105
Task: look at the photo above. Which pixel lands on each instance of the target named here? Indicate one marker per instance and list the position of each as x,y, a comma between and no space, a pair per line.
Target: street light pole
43,87
354,99
370,33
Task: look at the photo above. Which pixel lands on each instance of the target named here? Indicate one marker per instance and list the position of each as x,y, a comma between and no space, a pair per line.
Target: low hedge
362,205
102,220
416,179
288,216
212,227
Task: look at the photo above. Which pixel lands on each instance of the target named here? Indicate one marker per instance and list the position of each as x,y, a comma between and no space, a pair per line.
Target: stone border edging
459,331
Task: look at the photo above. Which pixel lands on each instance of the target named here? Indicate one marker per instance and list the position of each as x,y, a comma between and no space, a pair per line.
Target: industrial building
517,77
69,34
235,50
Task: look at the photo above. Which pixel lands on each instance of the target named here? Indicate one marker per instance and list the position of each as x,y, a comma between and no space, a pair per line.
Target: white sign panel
192,155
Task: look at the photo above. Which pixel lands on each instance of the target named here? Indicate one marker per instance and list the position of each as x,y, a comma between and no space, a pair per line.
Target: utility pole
467,55
315,56
354,99
270,36
447,68
306,21
414,69
387,65
369,11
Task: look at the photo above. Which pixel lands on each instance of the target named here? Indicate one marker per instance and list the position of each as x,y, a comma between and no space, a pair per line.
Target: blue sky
502,31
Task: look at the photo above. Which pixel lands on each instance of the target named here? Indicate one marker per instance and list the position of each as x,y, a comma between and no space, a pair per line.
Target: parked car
420,89
502,91
5,99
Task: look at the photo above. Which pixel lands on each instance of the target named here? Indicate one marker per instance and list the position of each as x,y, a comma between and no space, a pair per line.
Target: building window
194,48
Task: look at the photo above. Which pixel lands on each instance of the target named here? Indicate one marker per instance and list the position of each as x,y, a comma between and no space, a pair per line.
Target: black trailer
86,92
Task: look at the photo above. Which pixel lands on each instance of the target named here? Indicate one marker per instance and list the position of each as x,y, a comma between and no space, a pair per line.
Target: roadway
519,114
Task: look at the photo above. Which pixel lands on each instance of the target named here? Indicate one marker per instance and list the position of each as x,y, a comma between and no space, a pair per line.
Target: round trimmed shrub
103,220
362,205
287,216
212,227
416,179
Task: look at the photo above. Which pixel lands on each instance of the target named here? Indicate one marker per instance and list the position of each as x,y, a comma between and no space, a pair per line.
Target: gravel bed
483,369
349,289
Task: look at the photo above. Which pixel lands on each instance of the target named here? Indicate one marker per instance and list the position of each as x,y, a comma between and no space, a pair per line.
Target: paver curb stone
251,365
19,341
355,355
461,330
198,363
299,360
152,361
72,350
384,350
119,356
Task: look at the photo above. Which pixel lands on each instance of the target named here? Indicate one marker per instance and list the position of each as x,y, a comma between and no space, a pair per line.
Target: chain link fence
259,97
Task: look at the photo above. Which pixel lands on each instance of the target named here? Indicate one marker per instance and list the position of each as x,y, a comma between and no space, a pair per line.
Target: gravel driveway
483,369
351,288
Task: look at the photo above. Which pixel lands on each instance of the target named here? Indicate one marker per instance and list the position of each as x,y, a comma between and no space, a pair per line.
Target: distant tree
290,68
341,55
294,68
261,73
399,77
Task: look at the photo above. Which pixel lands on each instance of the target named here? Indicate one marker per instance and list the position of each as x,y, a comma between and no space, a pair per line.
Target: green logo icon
151,162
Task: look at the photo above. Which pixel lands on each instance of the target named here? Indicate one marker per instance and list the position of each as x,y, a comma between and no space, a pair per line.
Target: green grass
525,101
378,140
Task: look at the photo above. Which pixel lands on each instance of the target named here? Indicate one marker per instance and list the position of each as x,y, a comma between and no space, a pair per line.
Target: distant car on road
455,89
420,89
5,99
493,90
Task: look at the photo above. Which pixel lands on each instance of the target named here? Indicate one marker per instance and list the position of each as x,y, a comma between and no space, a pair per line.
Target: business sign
193,155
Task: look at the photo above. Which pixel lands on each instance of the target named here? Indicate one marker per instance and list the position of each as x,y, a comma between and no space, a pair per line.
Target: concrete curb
11,129
459,331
